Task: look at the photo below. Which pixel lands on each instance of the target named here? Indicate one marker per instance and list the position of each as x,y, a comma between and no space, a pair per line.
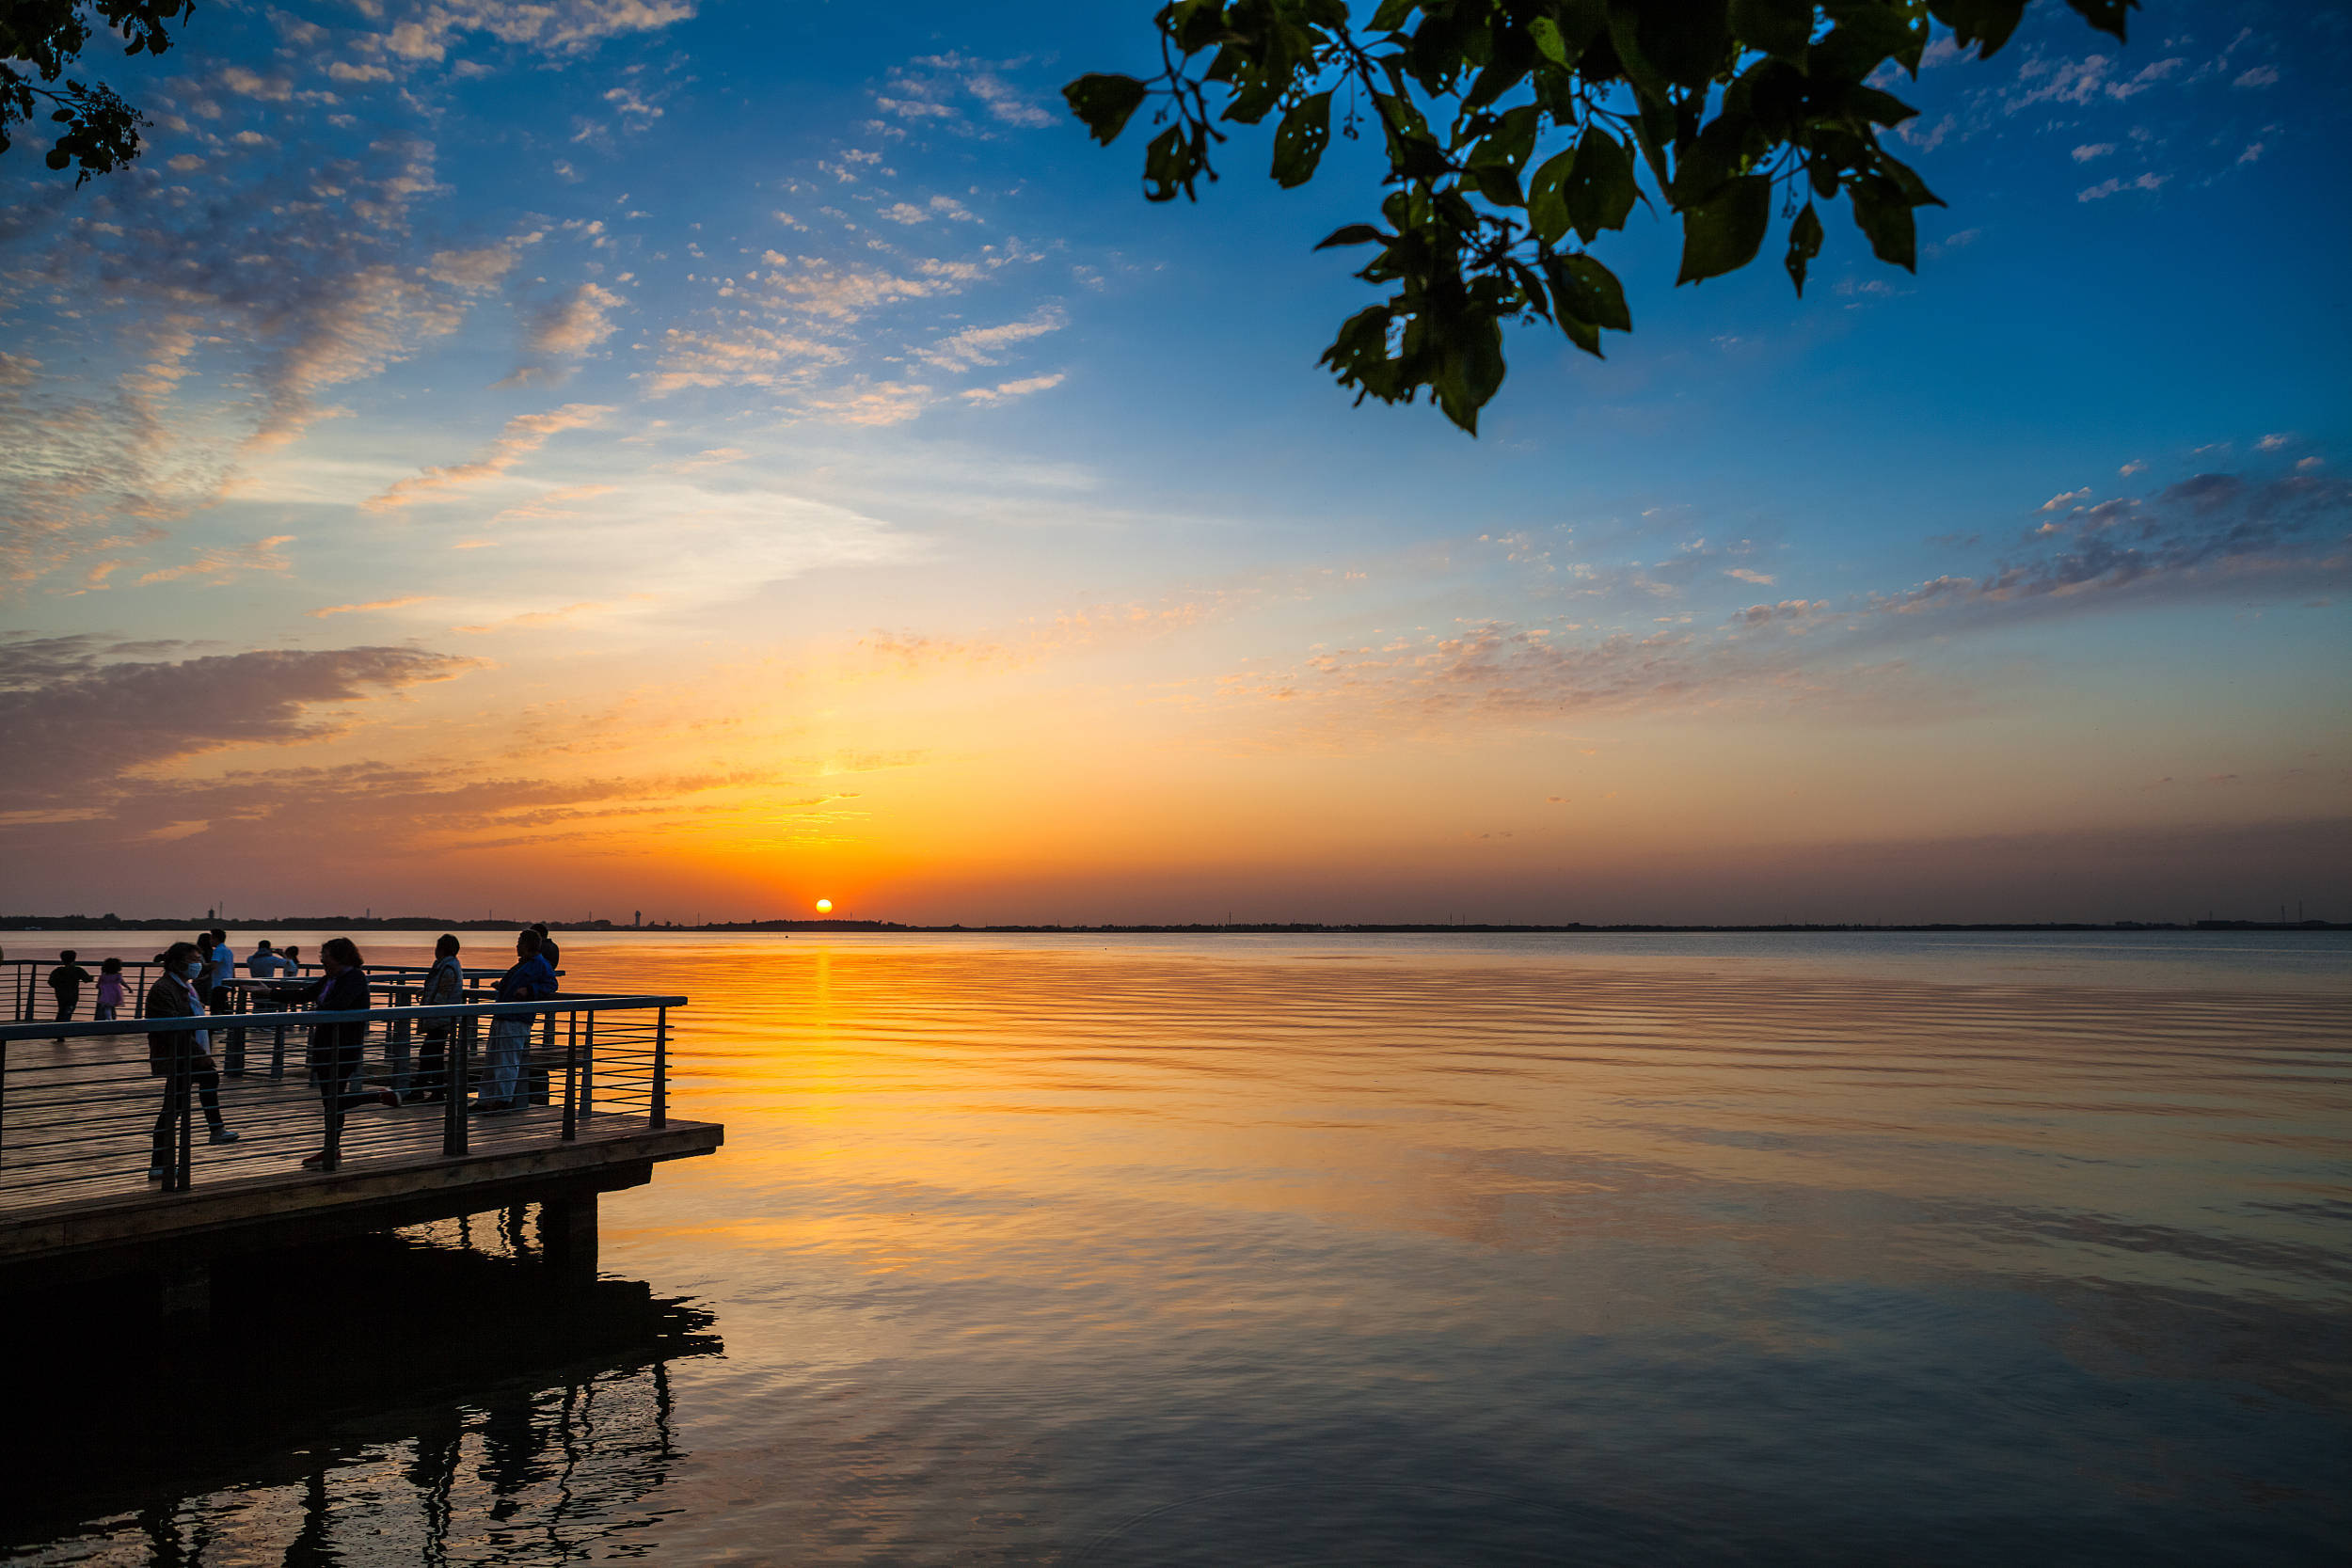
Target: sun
824,906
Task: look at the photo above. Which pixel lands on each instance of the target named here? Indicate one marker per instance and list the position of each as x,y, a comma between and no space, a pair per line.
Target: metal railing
25,996
78,1101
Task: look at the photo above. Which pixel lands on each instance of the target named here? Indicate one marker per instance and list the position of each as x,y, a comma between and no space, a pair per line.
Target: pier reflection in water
429,1397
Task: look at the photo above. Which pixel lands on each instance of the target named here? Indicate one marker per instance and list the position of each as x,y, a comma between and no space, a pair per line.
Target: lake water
1413,1249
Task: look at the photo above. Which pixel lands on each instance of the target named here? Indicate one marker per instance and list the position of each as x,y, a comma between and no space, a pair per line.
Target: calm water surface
1347,1250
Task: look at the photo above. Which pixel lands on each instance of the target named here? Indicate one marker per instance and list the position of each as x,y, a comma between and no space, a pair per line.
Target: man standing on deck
219,998
547,949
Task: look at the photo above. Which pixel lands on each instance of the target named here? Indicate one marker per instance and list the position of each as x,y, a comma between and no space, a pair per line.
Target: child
110,985
67,980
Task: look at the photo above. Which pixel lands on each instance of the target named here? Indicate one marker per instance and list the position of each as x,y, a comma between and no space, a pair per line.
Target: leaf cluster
41,40
1517,132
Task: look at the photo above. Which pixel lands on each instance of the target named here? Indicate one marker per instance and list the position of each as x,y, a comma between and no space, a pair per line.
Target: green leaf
1775,26
1299,140
1804,242
1687,41
1105,104
1354,233
1986,23
1883,108
1883,213
1722,234
2105,15
1547,199
1548,43
1393,14
1594,293
1169,164
1600,190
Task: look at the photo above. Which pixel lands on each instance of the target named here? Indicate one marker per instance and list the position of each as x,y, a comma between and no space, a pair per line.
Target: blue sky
665,448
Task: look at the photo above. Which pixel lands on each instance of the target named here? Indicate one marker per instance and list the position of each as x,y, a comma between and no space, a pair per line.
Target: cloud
536,618
220,565
865,403
371,606
554,503
2106,188
1005,390
2261,76
2213,536
938,207
2135,466
985,346
565,30
2094,149
2277,442
2065,499
86,715
575,323
1763,580
524,434
930,89
471,270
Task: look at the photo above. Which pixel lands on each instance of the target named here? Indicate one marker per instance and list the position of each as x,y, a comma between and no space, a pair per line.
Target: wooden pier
77,1119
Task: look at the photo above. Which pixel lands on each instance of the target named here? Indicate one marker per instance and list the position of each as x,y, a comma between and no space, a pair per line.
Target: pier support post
568,1236
185,1295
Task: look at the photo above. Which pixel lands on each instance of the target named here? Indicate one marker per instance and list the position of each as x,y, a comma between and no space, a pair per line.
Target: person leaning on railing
336,1048
181,1056
445,986
529,980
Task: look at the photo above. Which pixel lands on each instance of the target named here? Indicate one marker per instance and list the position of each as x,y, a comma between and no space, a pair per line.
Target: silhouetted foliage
42,38
1516,131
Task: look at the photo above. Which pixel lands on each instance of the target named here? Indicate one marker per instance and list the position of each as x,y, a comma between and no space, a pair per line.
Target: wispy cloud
524,434
371,607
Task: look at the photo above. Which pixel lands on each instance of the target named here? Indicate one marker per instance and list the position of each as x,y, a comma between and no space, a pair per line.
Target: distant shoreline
427,923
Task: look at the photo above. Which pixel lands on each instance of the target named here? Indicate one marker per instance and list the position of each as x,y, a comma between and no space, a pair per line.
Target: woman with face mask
181,1057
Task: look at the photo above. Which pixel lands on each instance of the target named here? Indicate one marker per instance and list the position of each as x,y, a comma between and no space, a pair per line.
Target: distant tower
639,919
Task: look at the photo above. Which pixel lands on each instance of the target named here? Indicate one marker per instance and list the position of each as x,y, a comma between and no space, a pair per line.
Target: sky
695,456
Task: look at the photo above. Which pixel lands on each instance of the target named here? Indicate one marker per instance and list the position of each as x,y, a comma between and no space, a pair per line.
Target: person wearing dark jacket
336,1048
67,980
181,1057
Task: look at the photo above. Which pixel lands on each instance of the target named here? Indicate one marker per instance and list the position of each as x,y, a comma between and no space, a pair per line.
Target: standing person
292,956
445,986
220,999
547,949
110,988
67,980
510,1036
181,1057
336,1048
265,962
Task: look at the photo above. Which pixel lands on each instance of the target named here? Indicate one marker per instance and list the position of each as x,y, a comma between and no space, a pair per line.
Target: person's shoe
158,1173
487,1107
315,1159
386,1097
224,1136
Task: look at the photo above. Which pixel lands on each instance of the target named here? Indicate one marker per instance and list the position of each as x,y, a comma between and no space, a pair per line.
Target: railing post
660,1108
571,1080
588,1067
454,1088
184,1090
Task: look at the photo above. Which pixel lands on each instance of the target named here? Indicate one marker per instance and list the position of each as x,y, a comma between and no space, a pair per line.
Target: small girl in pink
109,988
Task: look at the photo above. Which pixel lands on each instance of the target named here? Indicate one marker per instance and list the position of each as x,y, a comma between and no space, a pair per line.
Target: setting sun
824,906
